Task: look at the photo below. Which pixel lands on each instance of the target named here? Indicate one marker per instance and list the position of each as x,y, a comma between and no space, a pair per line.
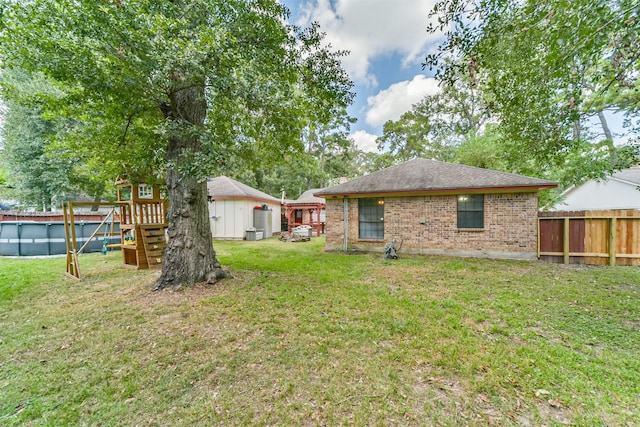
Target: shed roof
224,187
420,176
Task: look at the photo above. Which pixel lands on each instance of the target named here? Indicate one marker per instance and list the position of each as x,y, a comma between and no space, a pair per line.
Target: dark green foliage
121,65
174,90
39,173
547,72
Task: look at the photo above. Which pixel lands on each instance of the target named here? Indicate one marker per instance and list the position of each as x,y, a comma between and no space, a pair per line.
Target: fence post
612,241
48,234
19,230
565,244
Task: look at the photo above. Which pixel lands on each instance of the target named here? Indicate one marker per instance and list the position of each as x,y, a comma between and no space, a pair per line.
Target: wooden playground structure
141,213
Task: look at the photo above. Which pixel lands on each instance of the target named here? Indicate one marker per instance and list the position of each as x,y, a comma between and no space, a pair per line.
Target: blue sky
388,42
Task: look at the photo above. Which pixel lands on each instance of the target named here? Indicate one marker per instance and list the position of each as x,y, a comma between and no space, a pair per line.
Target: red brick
510,226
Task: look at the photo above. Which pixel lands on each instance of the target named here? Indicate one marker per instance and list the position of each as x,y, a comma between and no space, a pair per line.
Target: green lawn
304,337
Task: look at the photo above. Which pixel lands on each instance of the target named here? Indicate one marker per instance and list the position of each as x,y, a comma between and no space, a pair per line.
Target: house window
145,191
371,218
471,211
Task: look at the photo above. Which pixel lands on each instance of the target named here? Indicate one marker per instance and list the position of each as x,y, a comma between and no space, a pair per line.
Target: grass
304,337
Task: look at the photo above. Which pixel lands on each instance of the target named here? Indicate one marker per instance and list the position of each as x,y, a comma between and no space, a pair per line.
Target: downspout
422,223
345,240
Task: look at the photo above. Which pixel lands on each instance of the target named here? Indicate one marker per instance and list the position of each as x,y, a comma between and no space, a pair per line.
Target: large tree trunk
189,257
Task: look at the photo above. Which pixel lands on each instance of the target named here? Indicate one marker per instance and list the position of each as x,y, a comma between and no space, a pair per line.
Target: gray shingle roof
223,187
308,198
423,176
631,175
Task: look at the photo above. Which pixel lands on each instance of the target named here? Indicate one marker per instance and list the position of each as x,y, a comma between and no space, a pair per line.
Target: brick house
436,208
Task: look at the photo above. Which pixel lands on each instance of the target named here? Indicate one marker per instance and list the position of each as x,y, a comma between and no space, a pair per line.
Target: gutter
443,191
273,201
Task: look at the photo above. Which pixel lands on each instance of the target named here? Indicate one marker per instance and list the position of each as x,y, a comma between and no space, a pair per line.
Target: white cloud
391,103
370,29
365,141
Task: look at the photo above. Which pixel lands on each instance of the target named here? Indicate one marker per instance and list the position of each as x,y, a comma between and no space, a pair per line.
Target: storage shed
235,207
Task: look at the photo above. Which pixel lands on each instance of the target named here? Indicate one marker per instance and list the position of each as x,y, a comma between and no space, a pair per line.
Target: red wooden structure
306,210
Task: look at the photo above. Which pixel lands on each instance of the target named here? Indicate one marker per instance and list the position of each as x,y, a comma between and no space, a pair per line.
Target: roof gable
224,187
629,177
427,176
618,191
308,198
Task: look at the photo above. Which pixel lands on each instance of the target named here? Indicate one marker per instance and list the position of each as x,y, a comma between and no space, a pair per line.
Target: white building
231,209
619,191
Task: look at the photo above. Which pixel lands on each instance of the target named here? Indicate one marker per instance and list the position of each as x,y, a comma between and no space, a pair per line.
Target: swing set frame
141,214
73,263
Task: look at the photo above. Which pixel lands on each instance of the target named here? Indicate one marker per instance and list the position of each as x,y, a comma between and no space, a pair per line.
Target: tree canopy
175,90
437,124
40,175
123,64
547,70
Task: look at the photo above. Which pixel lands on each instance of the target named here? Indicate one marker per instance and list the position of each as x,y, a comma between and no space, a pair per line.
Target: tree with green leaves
41,176
329,139
172,88
328,155
5,188
546,69
437,124
297,173
36,178
482,150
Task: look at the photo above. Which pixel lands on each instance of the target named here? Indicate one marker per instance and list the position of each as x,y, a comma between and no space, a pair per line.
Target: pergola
306,210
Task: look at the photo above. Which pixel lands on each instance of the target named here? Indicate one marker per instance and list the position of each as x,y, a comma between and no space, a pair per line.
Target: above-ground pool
31,238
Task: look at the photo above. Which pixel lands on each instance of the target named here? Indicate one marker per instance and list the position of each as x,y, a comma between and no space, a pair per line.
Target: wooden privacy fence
590,237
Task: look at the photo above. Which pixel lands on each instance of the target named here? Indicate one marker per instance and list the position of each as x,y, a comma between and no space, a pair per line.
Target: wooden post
73,266
289,221
67,235
565,244
612,241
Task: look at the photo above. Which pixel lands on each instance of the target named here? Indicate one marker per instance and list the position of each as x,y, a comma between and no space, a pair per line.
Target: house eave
625,181
296,204
251,199
439,191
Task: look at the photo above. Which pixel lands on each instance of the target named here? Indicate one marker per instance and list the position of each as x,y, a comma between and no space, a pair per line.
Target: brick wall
510,226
